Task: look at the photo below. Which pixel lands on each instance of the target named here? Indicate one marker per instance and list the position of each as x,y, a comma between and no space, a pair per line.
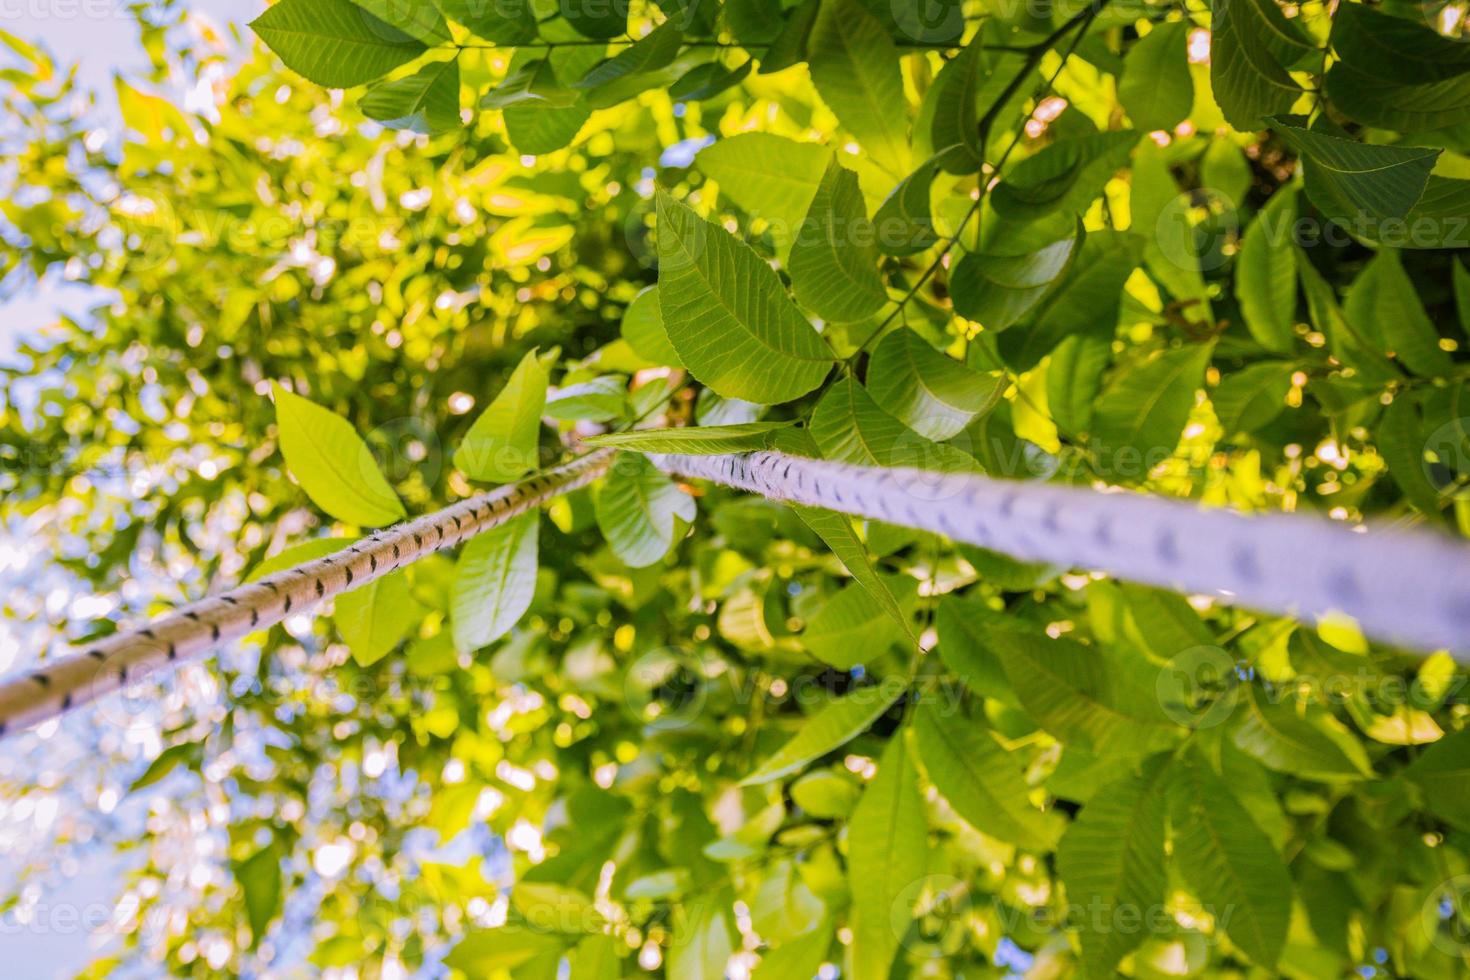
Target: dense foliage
1211,253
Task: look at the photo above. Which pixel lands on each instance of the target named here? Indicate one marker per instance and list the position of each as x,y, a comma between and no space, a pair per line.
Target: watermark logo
1446,458
1199,688
1445,916
666,688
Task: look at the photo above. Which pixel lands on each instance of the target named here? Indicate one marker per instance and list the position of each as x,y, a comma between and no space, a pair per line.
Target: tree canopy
415,250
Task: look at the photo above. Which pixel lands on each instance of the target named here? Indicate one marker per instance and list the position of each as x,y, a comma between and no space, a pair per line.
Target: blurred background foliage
570,798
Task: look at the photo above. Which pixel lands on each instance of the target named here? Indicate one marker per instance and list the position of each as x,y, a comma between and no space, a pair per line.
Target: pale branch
1401,586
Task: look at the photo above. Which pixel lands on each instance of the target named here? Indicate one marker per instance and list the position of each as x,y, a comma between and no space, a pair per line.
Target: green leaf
1141,415
998,291
259,878
1252,397
1347,343
599,21
1068,175
1073,379
637,508
1359,182
887,849
849,427
655,50
854,65
701,946
643,329
332,464
834,260
494,582
708,80
484,951
904,223
1224,172
501,445
1461,278
529,82
852,628
825,793
1074,692
797,959
697,440
413,17
551,123
790,44
1298,739
190,754
833,726
503,22
980,780
1251,47
1112,859
597,400
1384,296
1397,73
727,315
334,42
375,617
1401,441
963,625
769,177
956,115
836,531
1442,774
1437,219
784,907
296,554
1229,862
1265,274
1156,89
597,957
426,102
934,394
1086,302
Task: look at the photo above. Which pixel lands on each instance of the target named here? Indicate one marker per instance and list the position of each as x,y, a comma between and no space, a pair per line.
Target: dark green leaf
854,65
998,291
426,102
727,315
934,394
1068,175
834,260
831,727
1252,397
980,780
1156,88
1265,274
505,22
1112,859
887,847
1359,183
1252,47
1229,862
1142,413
